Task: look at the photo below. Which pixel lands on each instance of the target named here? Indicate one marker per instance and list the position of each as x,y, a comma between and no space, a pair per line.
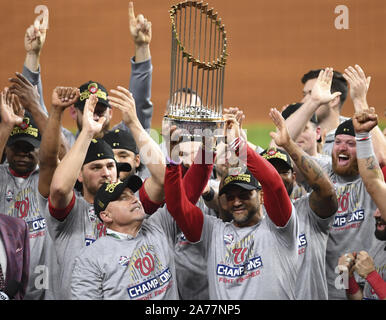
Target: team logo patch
88,241
9,195
124,261
228,238
93,88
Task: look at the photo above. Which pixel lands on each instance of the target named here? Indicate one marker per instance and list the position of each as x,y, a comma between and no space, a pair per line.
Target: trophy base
196,129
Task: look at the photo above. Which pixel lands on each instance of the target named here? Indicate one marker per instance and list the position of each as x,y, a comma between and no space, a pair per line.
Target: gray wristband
364,145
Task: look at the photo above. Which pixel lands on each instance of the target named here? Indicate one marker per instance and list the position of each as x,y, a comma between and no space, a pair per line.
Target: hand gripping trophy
198,58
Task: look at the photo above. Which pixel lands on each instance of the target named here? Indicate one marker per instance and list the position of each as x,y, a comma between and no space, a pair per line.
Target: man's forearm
35,78
32,61
189,217
67,172
150,152
276,199
197,176
310,170
298,120
39,116
140,87
142,53
49,150
323,199
371,172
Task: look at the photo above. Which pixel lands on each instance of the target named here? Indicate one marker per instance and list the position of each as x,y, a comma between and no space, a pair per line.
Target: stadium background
271,45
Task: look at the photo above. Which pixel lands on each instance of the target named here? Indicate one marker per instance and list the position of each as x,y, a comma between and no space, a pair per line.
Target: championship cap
345,127
121,139
98,150
26,131
244,180
274,154
292,108
88,89
109,192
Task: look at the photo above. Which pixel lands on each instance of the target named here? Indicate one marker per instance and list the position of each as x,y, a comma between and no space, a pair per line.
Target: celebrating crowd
107,213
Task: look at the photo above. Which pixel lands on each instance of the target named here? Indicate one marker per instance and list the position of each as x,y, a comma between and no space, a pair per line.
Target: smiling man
354,221
255,255
71,220
135,260
370,265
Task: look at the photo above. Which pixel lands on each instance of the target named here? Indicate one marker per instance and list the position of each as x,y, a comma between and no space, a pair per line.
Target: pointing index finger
131,11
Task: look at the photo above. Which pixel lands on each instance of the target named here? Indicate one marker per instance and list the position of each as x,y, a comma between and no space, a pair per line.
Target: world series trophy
198,58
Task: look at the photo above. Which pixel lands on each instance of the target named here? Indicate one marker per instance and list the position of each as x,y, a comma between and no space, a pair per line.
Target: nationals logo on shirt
241,262
149,276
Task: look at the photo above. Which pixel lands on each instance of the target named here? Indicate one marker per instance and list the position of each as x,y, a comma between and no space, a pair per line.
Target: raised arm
150,152
187,215
321,94
62,97
196,178
141,69
34,39
323,199
29,98
276,200
9,117
368,165
67,172
359,86
140,30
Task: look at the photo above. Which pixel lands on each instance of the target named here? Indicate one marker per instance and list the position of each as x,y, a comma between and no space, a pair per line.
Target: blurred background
271,44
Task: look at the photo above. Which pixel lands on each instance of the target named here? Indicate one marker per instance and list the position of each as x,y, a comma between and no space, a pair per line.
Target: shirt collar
118,235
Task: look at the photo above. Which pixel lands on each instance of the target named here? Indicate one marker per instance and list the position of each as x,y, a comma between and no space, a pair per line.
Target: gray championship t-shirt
20,198
79,229
122,267
352,230
311,283
257,262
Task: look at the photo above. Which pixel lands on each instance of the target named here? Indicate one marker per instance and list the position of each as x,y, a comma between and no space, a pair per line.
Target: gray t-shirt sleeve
164,222
140,87
35,79
288,233
302,206
86,282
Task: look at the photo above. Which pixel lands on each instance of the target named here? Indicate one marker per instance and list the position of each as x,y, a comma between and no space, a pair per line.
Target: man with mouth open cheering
369,265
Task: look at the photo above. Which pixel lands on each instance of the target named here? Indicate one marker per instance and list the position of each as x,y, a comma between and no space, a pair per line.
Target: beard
380,234
345,171
241,220
92,187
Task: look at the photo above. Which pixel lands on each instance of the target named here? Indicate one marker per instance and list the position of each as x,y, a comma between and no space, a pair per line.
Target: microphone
123,166
10,291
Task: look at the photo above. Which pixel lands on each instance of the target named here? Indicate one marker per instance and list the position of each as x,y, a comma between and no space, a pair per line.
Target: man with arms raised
255,255
315,210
